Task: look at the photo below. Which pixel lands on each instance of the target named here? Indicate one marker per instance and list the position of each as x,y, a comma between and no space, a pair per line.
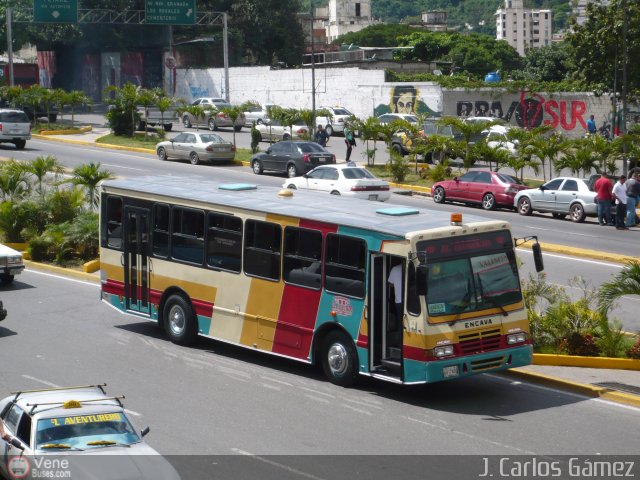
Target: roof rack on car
53,389
74,403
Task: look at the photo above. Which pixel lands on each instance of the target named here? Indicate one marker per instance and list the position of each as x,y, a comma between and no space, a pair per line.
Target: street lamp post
10,47
313,76
625,61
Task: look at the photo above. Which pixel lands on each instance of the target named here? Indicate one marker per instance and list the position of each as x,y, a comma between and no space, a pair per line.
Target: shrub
255,138
579,344
398,167
82,235
611,340
120,120
440,172
634,351
160,133
38,249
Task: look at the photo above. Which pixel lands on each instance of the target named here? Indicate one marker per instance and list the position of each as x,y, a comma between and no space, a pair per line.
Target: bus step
392,365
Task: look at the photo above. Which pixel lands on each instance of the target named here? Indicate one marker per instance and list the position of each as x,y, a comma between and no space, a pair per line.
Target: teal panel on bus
204,324
363,359
414,371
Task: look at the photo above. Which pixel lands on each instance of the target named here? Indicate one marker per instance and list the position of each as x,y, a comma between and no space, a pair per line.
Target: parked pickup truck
155,118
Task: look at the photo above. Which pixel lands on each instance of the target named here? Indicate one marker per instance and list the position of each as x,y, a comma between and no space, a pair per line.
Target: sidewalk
622,386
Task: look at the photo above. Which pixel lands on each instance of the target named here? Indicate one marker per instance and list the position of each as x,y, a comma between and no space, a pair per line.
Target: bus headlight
516,338
443,351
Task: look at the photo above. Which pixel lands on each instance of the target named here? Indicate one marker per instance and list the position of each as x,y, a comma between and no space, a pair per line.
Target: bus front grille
486,364
478,342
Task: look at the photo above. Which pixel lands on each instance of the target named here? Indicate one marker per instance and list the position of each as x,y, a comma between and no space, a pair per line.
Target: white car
273,129
387,118
334,123
82,425
257,113
11,264
15,127
343,179
497,138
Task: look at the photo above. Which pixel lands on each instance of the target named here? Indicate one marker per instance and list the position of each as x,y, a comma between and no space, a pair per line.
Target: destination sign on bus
480,243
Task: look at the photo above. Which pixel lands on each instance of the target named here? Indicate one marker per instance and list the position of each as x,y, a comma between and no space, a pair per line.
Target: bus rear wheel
179,320
339,359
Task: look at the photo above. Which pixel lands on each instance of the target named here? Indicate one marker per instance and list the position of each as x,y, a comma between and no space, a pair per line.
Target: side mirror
144,431
16,443
537,257
542,187
268,150
421,280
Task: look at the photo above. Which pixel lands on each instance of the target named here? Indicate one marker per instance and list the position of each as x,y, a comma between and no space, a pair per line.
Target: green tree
76,98
234,112
551,63
89,176
32,96
550,148
123,116
146,98
625,282
369,131
468,131
42,166
379,35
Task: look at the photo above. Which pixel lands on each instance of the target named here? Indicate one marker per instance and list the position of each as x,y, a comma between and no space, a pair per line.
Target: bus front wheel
179,320
340,359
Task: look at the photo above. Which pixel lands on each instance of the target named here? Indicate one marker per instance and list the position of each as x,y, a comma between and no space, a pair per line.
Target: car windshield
341,111
411,119
212,138
508,178
85,431
310,148
355,173
14,117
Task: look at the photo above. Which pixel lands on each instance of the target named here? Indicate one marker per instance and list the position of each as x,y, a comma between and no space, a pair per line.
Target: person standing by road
591,126
321,136
633,188
349,140
619,193
603,189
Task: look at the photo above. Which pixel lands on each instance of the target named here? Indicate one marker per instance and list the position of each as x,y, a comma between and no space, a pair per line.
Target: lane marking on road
124,168
276,464
275,380
568,233
232,372
317,392
317,399
360,402
63,277
355,409
576,259
271,387
473,437
53,385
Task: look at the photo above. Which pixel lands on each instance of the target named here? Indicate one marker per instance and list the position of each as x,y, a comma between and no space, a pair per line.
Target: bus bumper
481,363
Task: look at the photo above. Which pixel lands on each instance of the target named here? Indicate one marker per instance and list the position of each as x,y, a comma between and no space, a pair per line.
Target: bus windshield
471,274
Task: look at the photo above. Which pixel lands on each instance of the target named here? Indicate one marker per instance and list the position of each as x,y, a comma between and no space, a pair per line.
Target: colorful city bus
306,276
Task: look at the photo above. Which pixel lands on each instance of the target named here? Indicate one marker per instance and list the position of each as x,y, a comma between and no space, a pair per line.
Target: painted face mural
403,99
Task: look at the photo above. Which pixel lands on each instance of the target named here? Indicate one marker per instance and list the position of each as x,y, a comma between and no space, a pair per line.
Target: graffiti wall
565,112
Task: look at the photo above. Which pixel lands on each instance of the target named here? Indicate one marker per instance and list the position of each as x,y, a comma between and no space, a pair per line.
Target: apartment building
523,28
346,16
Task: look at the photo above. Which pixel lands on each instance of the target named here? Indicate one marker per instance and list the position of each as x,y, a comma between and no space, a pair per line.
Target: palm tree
625,282
32,96
580,157
89,176
234,112
369,130
48,97
74,99
469,131
146,98
550,148
41,166
13,181
125,100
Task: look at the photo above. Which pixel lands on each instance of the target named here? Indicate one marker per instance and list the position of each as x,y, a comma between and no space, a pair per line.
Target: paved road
222,400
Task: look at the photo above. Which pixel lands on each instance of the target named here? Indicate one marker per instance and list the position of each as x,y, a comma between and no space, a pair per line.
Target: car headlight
516,338
443,351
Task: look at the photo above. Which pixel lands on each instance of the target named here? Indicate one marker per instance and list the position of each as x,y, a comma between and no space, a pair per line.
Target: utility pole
313,76
625,60
10,48
225,52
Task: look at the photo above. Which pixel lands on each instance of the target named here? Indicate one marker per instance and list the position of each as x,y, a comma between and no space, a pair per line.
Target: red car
489,189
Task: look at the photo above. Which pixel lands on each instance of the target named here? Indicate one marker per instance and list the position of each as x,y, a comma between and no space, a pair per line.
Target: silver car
90,430
275,130
11,264
197,147
15,128
257,113
560,196
213,117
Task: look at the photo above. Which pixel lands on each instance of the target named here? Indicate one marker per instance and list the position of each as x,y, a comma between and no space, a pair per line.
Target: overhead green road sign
55,11
170,12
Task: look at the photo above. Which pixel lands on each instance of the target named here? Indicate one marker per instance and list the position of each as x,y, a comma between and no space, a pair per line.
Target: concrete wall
565,112
360,91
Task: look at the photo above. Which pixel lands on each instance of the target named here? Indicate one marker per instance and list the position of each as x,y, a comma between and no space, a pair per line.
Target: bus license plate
373,197
451,371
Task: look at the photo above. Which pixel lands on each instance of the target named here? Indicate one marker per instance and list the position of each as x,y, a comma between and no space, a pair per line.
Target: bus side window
224,242
114,222
413,300
345,265
161,230
302,257
187,236
262,245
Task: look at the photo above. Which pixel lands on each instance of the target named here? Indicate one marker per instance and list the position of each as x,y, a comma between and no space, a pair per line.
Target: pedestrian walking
604,197
619,193
591,126
633,188
349,140
321,136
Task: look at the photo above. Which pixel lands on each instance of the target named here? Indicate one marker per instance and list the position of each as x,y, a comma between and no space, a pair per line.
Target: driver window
570,186
553,184
331,174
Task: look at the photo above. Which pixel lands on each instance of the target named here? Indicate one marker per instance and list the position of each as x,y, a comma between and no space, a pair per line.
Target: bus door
136,259
385,323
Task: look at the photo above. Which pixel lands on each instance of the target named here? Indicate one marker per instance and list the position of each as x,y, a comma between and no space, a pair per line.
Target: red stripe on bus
414,353
113,287
202,308
363,341
297,318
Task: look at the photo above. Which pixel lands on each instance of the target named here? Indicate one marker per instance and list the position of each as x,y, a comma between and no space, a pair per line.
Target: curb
580,388
62,271
586,362
66,132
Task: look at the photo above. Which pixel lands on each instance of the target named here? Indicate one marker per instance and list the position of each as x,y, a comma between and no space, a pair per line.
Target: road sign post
55,11
170,12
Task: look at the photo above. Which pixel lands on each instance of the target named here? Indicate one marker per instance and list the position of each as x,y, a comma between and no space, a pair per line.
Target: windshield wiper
491,300
61,446
107,443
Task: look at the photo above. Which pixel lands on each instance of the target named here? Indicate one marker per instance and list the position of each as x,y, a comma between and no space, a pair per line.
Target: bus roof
316,206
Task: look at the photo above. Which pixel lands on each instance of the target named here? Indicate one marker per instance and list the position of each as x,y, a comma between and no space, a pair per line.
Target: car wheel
329,130
286,137
559,216
186,122
291,186
292,171
576,212
237,128
339,359
142,126
162,154
488,201
52,118
167,127
438,195
259,121
257,167
398,149
193,158
20,144
335,192
524,206
7,279
212,124
179,320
